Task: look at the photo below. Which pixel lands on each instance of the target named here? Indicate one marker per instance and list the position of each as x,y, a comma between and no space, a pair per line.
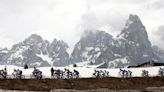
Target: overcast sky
67,19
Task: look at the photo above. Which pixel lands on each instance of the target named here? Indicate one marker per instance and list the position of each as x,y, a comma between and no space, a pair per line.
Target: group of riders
67,74
100,73
55,73
125,73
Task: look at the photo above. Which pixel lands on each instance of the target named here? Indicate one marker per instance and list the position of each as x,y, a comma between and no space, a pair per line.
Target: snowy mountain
35,51
95,48
135,43
91,46
130,47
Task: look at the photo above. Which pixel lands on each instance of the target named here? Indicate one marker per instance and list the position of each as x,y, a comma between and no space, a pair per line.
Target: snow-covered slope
85,72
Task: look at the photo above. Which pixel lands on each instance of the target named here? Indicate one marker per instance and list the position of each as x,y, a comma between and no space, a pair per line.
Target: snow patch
37,63
46,58
4,51
145,55
115,62
117,55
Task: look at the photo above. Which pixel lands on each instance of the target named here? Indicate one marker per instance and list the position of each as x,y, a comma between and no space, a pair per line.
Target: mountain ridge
130,47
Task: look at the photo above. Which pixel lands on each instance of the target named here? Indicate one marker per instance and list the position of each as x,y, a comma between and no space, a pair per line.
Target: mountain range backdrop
95,47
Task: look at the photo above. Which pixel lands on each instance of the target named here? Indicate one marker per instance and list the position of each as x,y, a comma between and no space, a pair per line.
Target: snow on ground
85,72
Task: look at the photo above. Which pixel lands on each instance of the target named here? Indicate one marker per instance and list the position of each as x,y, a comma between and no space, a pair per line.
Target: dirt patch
83,84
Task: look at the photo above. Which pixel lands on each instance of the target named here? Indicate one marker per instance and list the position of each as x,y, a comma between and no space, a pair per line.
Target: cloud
160,32
46,35
157,4
5,42
159,36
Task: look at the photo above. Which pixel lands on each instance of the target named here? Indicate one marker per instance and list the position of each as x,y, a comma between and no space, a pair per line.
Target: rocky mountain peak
133,21
59,43
90,46
33,39
134,18
134,31
35,51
